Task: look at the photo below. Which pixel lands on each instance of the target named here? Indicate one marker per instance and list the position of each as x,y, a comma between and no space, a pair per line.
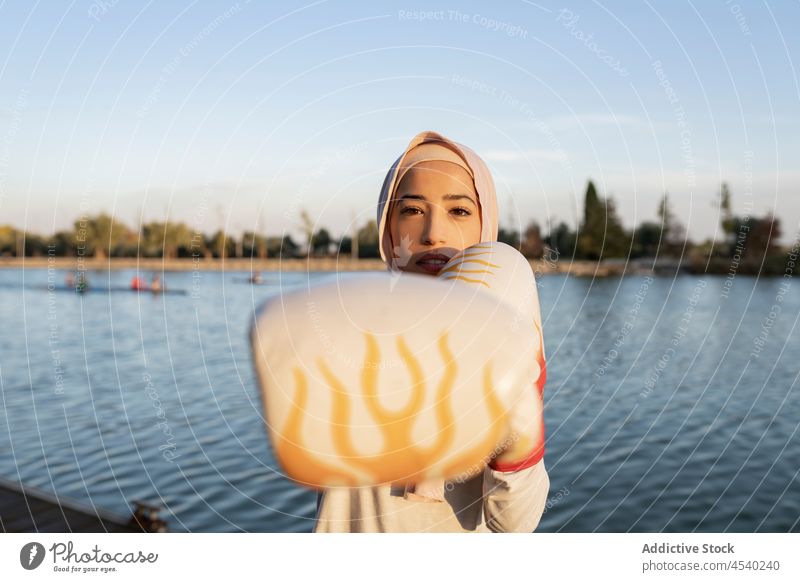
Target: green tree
647,240
100,235
601,234
532,244
368,240
282,246
8,241
762,237
591,234
165,239
665,212
728,221
254,245
345,245
320,242
562,238
307,224
221,244
591,204
508,236
34,245
673,234
64,243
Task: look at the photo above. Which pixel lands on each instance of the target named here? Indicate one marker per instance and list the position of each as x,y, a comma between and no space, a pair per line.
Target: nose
435,227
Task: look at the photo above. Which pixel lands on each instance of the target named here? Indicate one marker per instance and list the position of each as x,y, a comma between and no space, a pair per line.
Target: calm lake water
672,404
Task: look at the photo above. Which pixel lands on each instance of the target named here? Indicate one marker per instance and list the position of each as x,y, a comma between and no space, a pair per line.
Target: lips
432,262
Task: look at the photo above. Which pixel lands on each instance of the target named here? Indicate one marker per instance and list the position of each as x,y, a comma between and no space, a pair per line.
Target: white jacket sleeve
515,501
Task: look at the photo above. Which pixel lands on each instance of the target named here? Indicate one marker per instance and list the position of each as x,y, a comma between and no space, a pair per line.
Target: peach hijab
429,146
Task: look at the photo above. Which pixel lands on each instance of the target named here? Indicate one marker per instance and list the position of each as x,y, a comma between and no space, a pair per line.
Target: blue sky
242,114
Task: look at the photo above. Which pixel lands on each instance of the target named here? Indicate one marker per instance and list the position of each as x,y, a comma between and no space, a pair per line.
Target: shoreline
575,268
247,265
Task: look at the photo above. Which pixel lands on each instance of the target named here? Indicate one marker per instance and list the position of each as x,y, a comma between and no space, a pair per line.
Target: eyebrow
445,197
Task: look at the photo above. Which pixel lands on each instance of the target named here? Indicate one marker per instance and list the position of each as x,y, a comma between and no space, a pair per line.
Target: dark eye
410,210
461,211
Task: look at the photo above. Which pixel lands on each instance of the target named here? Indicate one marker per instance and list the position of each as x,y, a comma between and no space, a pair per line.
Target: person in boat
82,283
438,198
156,285
138,284
256,278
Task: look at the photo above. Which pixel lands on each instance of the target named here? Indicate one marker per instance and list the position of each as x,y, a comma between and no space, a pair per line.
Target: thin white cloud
593,120
535,155
778,119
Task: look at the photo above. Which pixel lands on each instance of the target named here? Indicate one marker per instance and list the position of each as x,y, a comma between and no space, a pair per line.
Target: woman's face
434,215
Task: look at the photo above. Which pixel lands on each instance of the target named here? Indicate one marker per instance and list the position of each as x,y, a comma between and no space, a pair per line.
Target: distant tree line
749,247
102,236
750,242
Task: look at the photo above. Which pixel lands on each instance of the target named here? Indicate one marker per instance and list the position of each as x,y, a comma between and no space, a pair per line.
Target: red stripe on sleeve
537,453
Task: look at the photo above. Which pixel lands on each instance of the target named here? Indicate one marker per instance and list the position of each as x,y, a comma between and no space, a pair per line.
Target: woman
438,198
